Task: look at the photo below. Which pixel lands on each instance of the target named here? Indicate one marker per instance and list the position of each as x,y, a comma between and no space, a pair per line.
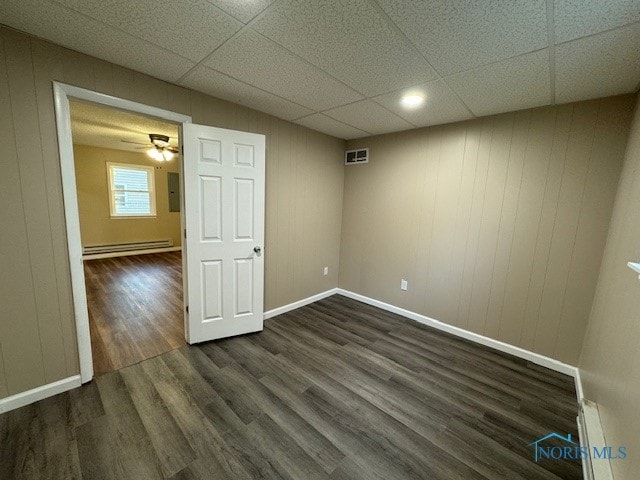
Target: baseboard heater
591,435
125,247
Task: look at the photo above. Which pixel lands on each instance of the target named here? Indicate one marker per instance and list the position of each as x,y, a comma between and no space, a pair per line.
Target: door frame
61,94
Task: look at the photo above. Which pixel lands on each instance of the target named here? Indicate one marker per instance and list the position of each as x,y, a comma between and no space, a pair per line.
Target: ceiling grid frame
565,25
399,30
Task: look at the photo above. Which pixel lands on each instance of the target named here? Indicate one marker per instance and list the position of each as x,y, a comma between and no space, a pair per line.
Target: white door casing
61,94
224,175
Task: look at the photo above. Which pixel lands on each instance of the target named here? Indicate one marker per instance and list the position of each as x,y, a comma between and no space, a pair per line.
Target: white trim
579,389
120,103
592,435
582,433
582,438
39,393
151,189
61,94
474,337
300,303
634,266
127,253
533,357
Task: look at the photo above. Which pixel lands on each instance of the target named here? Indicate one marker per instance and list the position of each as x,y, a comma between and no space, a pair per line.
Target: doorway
127,169
63,94
222,223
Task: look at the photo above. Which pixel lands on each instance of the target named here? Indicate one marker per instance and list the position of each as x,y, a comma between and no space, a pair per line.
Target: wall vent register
360,155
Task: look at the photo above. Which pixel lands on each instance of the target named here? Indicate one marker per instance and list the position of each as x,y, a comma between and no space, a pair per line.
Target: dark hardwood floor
135,308
337,389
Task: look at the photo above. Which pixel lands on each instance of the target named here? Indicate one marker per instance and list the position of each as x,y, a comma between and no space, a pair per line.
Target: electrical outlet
403,284
326,271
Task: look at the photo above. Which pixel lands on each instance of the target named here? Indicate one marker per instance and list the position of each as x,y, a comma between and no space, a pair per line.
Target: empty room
128,195
295,239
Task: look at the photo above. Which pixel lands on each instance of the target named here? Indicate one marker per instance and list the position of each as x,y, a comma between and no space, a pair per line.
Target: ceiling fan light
159,140
153,153
167,154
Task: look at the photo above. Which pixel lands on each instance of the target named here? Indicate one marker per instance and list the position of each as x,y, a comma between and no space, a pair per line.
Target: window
131,190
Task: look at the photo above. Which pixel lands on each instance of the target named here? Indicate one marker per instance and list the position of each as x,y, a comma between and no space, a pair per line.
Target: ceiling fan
160,149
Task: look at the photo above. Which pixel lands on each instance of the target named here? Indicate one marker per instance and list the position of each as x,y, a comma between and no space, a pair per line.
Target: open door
224,216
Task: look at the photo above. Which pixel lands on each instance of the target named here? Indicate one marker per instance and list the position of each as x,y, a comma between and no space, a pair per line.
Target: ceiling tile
243,11
370,117
190,28
598,66
328,125
577,18
222,86
77,32
256,60
441,105
352,48
458,35
514,84
353,41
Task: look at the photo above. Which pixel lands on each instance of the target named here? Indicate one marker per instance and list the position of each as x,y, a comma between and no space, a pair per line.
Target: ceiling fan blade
173,149
135,143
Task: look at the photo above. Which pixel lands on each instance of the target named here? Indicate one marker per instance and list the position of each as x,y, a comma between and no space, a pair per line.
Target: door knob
257,250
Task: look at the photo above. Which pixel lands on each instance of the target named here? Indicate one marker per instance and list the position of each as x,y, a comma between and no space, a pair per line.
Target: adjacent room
296,239
128,194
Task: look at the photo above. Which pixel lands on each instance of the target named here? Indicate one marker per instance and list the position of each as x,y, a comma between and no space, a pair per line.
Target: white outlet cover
326,270
403,284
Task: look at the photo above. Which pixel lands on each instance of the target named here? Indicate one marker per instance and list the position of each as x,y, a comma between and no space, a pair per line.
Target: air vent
356,156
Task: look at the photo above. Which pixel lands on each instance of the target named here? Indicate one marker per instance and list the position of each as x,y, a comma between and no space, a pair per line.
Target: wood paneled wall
610,361
37,331
498,224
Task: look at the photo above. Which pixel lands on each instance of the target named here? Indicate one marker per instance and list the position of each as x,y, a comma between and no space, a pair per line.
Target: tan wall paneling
498,223
610,361
37,330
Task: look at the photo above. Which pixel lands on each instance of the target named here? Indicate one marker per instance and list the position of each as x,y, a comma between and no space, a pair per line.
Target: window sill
635,267
119,217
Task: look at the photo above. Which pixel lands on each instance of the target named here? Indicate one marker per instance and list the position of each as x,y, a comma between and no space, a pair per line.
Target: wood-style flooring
135,308
333,390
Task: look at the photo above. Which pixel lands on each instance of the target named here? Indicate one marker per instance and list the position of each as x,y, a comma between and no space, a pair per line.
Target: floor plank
336,389
135,308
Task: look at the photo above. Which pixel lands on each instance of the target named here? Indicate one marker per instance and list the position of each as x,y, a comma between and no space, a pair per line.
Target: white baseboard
299,303
45,391
474,337
38,393
97,256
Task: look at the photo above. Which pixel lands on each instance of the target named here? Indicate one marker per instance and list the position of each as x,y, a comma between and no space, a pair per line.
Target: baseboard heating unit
591,435
125,247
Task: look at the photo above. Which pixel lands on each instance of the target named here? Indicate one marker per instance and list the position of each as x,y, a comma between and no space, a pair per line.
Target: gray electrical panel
174,191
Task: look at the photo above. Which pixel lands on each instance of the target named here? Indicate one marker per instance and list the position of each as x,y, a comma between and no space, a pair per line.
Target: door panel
244,291
224,212
244,155
212,290
243,208
211,205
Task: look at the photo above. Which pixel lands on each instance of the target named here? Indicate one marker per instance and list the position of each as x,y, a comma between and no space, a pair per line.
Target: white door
224,218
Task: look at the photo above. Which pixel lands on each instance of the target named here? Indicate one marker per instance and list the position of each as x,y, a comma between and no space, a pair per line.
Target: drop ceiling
108,127
341,67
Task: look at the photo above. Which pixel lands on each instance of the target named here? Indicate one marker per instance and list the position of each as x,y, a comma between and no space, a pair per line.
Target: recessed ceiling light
412,100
